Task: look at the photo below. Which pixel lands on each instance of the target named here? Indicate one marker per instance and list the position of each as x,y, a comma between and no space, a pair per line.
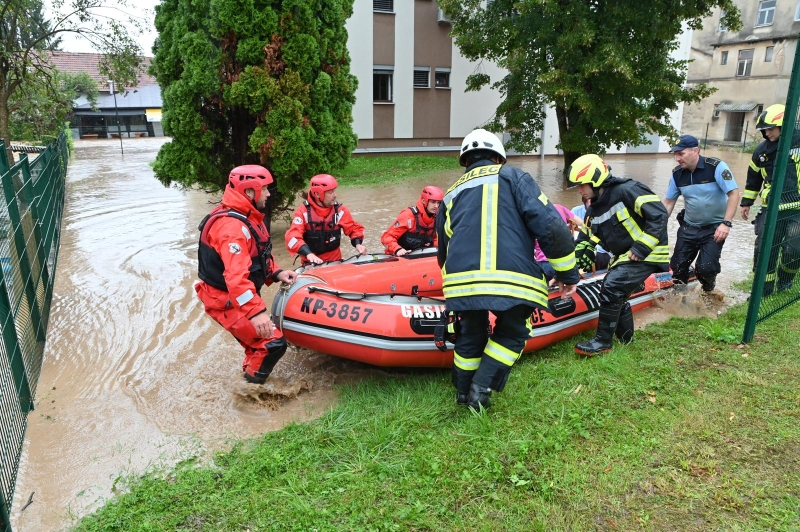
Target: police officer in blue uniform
710,196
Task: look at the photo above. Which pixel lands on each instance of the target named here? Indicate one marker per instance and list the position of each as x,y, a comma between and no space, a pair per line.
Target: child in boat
573,222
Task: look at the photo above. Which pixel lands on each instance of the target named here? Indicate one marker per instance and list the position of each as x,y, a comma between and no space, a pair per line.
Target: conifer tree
254,82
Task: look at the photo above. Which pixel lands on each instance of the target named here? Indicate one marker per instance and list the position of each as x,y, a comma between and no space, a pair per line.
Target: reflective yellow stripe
543,198
534,295
750,194
500,353
641,200
467,364
488,259
594,239
563,264
770,277
633,229
495,276
480,171
754,166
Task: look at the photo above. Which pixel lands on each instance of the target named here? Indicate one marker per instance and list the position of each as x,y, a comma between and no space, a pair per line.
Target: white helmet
480,139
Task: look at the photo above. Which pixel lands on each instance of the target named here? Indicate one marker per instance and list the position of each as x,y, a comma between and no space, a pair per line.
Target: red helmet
249,176
431,193
320,184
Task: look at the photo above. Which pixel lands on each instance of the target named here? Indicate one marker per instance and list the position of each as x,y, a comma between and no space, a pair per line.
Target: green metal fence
774,283
30,231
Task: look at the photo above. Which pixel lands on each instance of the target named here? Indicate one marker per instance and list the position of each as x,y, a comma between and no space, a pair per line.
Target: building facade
126,112
750,69
411,92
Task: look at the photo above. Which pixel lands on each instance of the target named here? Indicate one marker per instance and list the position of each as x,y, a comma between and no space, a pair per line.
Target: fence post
781,161
705,140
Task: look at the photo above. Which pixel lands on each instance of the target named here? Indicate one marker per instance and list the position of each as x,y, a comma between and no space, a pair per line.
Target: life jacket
422,238
323,235
210,266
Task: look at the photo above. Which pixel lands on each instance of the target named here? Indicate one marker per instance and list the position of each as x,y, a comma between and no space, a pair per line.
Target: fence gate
31,208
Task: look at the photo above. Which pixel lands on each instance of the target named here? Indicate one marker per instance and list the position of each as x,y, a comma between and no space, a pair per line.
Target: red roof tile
83,62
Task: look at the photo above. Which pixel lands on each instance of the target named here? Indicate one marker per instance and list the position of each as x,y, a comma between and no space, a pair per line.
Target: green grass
392,169
681,430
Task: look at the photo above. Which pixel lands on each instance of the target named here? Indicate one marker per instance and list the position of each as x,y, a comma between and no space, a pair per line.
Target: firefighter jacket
487,226
760,175
628,217
234,257
413,229
318,230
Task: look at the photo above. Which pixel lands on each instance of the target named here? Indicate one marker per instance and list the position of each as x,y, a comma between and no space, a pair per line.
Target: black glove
445,330
584,255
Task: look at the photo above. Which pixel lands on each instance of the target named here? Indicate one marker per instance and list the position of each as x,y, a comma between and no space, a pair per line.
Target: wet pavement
136,377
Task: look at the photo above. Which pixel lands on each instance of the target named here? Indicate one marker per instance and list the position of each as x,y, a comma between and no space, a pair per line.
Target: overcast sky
143,9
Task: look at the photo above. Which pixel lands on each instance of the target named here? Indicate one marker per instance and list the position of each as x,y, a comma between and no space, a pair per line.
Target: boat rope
355,296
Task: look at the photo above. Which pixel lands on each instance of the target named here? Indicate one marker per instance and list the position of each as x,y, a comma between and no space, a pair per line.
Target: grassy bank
677,431
391,169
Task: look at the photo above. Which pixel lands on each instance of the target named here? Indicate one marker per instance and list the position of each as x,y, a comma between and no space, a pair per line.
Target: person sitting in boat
486,227
630,221
414,228
571,221
234,261
317,224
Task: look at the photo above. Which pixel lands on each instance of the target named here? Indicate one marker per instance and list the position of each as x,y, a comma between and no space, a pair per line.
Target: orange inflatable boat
382,309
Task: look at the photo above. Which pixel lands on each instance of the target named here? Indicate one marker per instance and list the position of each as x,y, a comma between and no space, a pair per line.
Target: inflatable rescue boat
382,309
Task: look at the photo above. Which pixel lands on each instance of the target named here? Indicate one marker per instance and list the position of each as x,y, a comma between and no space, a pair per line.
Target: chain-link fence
30,230
778,222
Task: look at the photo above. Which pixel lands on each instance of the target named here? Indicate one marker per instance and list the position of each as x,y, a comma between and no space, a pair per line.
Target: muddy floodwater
136,377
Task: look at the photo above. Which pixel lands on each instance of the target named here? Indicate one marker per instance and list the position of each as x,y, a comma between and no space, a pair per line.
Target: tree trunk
563,129
5,134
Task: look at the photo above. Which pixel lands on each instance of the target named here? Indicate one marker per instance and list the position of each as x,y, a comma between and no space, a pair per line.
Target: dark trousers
622,280
486,359
697,243
784,258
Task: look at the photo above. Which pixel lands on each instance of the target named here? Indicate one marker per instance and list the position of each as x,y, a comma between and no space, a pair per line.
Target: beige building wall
767,81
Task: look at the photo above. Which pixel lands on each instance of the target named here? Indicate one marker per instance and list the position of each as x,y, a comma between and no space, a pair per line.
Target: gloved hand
445,330
584,255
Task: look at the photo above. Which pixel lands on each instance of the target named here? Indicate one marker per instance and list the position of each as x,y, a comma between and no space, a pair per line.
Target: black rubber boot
479,397
603,339
624,330
276,348
461,381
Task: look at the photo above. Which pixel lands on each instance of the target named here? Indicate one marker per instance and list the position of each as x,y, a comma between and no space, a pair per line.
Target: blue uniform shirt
705,191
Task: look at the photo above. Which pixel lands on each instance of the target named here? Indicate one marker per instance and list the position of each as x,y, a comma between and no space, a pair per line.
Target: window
722,26
442,78
797,12
382,84
745,63
422,77
766,12
759,109
723,60
387,6
768,54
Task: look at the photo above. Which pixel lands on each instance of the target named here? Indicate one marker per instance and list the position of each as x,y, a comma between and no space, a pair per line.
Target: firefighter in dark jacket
235,261
486,228
630,221
785,258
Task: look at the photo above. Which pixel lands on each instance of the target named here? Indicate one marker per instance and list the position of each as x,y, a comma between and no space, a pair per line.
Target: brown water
137,377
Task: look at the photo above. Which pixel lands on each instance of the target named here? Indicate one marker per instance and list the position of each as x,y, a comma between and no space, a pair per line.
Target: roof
737,107
142,97
85,62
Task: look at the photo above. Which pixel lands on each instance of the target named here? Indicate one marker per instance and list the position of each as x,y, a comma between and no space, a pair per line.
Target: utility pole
116,112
